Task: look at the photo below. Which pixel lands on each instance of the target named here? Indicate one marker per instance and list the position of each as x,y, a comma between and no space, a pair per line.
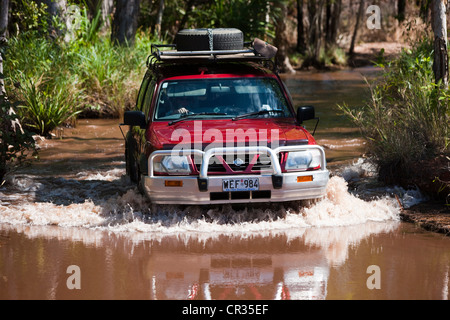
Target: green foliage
30,54
28,15
43,107
15,141
407,118
248,16
81,73
59,79
332,56
43,85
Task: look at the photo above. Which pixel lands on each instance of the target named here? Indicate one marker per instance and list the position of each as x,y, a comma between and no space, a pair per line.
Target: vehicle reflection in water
290,264
245,272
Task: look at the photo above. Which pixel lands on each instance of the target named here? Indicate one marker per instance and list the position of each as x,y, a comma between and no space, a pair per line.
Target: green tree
15,141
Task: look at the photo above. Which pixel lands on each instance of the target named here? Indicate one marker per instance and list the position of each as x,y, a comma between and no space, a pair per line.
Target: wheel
198,39
131,161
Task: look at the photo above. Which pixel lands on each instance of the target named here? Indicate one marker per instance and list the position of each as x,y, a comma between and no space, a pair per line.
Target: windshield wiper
257,113
191,115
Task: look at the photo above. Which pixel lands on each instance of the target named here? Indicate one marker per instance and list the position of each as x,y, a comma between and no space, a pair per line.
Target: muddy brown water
73,227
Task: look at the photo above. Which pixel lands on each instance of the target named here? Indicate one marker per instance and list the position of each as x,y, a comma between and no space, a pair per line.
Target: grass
407,118
50,82
43,108
57,80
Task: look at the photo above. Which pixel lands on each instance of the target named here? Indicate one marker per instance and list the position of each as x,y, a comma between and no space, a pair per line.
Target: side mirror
135,118
305,113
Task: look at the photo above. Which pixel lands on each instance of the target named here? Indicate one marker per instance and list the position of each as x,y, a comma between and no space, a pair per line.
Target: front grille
244,163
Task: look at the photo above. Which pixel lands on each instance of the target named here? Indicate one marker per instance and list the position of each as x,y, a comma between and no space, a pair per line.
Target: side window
142,91
148,98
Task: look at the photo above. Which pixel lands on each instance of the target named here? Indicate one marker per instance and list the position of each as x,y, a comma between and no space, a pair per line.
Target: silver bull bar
277,174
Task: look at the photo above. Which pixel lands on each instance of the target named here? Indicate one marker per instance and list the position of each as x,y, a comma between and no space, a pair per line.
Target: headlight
303,160
174,165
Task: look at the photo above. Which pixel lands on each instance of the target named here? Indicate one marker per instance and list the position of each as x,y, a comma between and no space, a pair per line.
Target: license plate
246,184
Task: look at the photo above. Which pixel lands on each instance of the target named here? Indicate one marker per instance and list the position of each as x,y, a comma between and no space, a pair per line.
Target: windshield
221,98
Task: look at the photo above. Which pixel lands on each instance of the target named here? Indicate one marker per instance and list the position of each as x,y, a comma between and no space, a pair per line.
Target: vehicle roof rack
158,55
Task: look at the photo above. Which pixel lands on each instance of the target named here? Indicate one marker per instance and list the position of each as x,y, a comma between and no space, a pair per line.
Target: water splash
342,208
362,177
107,201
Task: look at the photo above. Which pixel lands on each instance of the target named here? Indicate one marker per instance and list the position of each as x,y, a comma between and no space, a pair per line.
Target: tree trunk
301,45
401,10
124,24
187,12
4,8
327,21
355,31
56,9
331,36
281,41
159,19
312,26
266,22
439,21
107,8
317,22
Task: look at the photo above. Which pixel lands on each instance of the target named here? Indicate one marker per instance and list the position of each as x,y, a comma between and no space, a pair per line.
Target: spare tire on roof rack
209,39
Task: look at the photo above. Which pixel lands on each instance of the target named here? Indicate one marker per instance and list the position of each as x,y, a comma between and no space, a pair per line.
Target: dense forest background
97,49
65,59
311,32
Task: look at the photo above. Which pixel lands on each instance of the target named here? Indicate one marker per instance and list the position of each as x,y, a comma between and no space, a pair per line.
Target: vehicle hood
225,132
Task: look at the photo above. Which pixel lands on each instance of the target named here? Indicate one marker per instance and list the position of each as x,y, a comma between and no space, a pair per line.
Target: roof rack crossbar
203,53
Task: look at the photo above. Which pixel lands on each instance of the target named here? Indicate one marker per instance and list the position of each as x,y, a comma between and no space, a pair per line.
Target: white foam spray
107,201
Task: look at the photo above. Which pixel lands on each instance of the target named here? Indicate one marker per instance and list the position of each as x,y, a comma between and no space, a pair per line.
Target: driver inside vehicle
179,106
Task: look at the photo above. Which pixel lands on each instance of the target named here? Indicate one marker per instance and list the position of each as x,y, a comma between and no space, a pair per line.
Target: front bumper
274,186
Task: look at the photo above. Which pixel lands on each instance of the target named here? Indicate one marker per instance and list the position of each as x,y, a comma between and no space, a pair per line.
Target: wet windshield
221,98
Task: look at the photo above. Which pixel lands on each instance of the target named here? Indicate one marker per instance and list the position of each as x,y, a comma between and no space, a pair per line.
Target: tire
132,166
198,39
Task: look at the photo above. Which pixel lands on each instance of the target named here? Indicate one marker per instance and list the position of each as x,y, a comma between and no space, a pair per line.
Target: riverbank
431,216
433,179
430,176
367,54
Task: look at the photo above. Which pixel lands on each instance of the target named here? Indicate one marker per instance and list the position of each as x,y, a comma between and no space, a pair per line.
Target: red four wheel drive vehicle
215,124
